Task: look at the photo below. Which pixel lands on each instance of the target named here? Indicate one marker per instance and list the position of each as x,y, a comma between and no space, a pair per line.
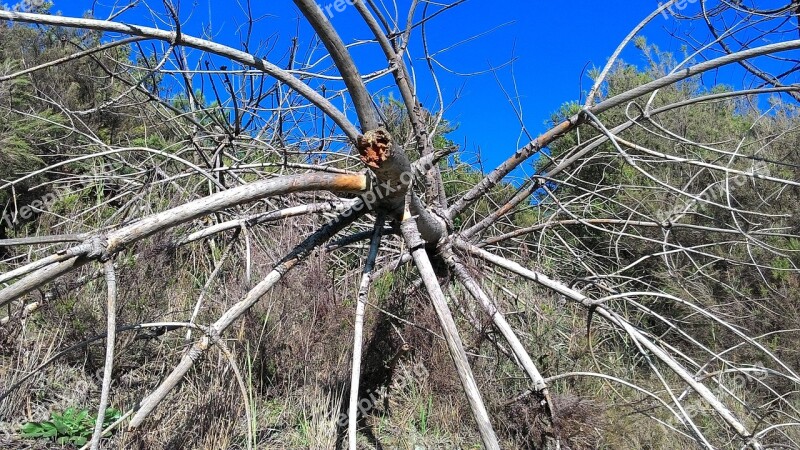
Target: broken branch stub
374,148
391,167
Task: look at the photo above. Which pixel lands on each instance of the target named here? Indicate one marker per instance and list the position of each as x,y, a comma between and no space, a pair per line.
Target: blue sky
550,42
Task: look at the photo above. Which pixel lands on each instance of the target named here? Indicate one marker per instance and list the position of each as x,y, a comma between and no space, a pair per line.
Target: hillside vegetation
678,228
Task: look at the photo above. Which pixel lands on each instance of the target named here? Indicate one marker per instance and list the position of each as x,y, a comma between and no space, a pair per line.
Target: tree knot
95,247
444,219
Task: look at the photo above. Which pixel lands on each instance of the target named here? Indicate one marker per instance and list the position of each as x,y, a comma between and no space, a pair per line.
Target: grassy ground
292,356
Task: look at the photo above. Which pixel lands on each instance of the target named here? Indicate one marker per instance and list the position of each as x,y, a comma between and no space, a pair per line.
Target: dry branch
417,249
621,323
116,240
214,332
108,367
201,44
358,331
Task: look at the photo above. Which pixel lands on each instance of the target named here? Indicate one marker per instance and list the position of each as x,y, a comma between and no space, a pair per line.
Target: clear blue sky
551,43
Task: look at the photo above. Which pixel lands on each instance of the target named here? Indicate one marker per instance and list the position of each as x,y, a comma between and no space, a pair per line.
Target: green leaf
36,429
111,416
30,427
49,429
61,426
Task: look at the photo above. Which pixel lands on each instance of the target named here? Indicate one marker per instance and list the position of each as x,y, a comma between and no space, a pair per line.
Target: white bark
116,240
149,403
621,323
108,368
358,333
417,248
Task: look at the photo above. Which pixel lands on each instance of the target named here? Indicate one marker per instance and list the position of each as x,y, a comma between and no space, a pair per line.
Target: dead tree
408,193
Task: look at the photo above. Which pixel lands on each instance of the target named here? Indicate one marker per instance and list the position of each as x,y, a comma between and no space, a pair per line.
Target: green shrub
71,427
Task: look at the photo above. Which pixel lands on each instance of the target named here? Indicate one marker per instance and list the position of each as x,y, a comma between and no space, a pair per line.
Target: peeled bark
358,334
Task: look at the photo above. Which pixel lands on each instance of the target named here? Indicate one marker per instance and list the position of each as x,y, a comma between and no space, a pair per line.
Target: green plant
781,268
424,415
70,427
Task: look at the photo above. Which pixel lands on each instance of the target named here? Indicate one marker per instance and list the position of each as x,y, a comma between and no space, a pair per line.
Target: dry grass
294,347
